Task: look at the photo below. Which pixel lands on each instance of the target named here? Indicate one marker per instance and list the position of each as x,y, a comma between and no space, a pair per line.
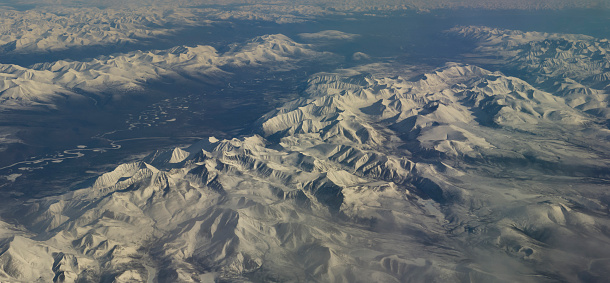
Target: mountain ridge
363,178
38,85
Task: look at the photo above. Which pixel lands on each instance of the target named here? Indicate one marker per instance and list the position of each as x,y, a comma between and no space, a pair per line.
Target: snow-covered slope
575,67
365,178
547,56
51,28
42,83
241,211
54,28
62,25
444,110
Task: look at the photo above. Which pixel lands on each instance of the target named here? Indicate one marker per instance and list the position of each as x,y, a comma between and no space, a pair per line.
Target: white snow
457,174
45,83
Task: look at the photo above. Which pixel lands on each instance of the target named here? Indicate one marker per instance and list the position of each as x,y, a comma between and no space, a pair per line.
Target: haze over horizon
347,5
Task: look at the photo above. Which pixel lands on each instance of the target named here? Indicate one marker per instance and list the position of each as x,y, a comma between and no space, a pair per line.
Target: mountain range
365,178
47,84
